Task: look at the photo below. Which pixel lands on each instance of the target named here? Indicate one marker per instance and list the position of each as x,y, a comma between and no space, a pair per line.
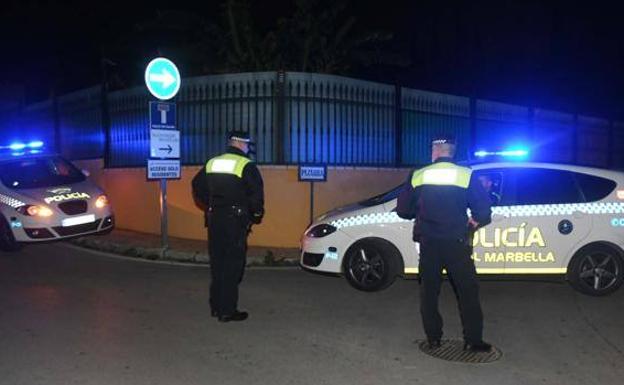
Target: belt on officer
236,209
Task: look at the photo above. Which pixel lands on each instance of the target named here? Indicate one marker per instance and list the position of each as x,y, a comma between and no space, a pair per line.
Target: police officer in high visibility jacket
437,197
230,188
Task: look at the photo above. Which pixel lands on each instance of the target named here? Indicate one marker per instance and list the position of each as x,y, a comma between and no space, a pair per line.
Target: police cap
240,136
443,139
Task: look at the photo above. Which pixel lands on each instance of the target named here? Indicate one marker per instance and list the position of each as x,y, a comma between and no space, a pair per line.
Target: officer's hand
472,223
256,218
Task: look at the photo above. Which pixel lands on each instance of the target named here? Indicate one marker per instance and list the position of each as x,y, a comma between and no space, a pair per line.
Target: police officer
437,197
488,186
230,189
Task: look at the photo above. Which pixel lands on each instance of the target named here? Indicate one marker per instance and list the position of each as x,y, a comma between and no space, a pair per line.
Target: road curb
261,257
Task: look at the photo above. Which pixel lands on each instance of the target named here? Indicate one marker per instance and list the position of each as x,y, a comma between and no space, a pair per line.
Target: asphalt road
69,316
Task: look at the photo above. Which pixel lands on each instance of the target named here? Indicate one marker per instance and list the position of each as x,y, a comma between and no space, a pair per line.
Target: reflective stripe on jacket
442,174
227,164
438,197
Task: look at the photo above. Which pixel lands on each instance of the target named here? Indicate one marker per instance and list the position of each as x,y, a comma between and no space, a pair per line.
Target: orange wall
287,201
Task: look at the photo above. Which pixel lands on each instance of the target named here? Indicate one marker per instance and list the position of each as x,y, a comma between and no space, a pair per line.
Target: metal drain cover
453,350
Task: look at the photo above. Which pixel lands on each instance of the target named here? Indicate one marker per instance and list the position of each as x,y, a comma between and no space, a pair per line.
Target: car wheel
372,264
7,239
596,270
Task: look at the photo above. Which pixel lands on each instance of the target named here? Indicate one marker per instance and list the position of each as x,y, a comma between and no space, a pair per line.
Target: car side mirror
86,173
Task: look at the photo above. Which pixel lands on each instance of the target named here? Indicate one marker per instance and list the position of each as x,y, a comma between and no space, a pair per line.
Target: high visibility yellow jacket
231,179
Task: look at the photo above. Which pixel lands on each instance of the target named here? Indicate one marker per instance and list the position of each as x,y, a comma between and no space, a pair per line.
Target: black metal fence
335,120
311,118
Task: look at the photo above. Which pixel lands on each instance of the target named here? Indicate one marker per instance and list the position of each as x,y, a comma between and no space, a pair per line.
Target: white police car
46,198
547,219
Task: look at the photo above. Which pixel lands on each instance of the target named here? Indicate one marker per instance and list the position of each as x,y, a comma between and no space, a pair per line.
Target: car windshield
382,198
39,173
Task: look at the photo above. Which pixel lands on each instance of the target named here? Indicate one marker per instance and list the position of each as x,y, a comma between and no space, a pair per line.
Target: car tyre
372,264
596,269
7,239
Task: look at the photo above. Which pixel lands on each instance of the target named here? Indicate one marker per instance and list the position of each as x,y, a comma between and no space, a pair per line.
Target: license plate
81,220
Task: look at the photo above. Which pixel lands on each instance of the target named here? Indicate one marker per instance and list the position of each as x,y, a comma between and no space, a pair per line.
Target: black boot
434,343
481,347
236,316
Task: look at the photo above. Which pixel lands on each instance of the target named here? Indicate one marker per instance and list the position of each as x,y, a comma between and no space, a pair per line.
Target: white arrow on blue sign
162,78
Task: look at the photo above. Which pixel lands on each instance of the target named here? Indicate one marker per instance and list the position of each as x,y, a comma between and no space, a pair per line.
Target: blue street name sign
162,78
162,115
312,173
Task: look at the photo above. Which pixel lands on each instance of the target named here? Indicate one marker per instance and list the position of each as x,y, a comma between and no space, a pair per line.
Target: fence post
56,123
532,128
106,123
575,133
610,145
473,127
280,115
398,126
532,131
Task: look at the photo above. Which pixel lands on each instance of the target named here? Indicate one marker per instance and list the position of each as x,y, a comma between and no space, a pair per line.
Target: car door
542,224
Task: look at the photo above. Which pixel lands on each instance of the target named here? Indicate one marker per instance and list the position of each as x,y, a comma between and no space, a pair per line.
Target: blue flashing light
17,146
35,144
511,153
514,153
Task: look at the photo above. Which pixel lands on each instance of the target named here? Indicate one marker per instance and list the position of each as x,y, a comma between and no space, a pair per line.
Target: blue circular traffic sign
162,78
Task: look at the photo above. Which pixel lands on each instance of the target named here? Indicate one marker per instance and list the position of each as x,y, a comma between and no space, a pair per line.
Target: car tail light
101,201
35,211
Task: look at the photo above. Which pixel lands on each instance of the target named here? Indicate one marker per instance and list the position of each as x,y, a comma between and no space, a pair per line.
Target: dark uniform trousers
455,257
227,244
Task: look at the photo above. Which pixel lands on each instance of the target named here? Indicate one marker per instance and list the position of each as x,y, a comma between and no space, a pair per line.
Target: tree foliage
318,36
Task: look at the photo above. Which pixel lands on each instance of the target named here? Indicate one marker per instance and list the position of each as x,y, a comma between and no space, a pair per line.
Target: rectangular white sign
165,144
163,169
81,220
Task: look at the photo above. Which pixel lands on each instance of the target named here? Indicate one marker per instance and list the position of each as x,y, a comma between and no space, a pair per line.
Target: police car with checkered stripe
546,219
44,197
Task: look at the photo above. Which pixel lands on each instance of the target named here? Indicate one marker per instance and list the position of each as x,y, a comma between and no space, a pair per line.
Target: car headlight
35,211
101,201
320,231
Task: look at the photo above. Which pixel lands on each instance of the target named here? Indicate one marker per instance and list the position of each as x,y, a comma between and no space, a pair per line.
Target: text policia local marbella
511,238
515,257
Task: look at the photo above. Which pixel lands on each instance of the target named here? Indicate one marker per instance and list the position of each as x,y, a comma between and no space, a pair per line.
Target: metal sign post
163,81
163,169
312,173
164,235
311,201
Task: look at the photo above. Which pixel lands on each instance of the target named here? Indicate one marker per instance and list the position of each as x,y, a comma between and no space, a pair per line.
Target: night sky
549,54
